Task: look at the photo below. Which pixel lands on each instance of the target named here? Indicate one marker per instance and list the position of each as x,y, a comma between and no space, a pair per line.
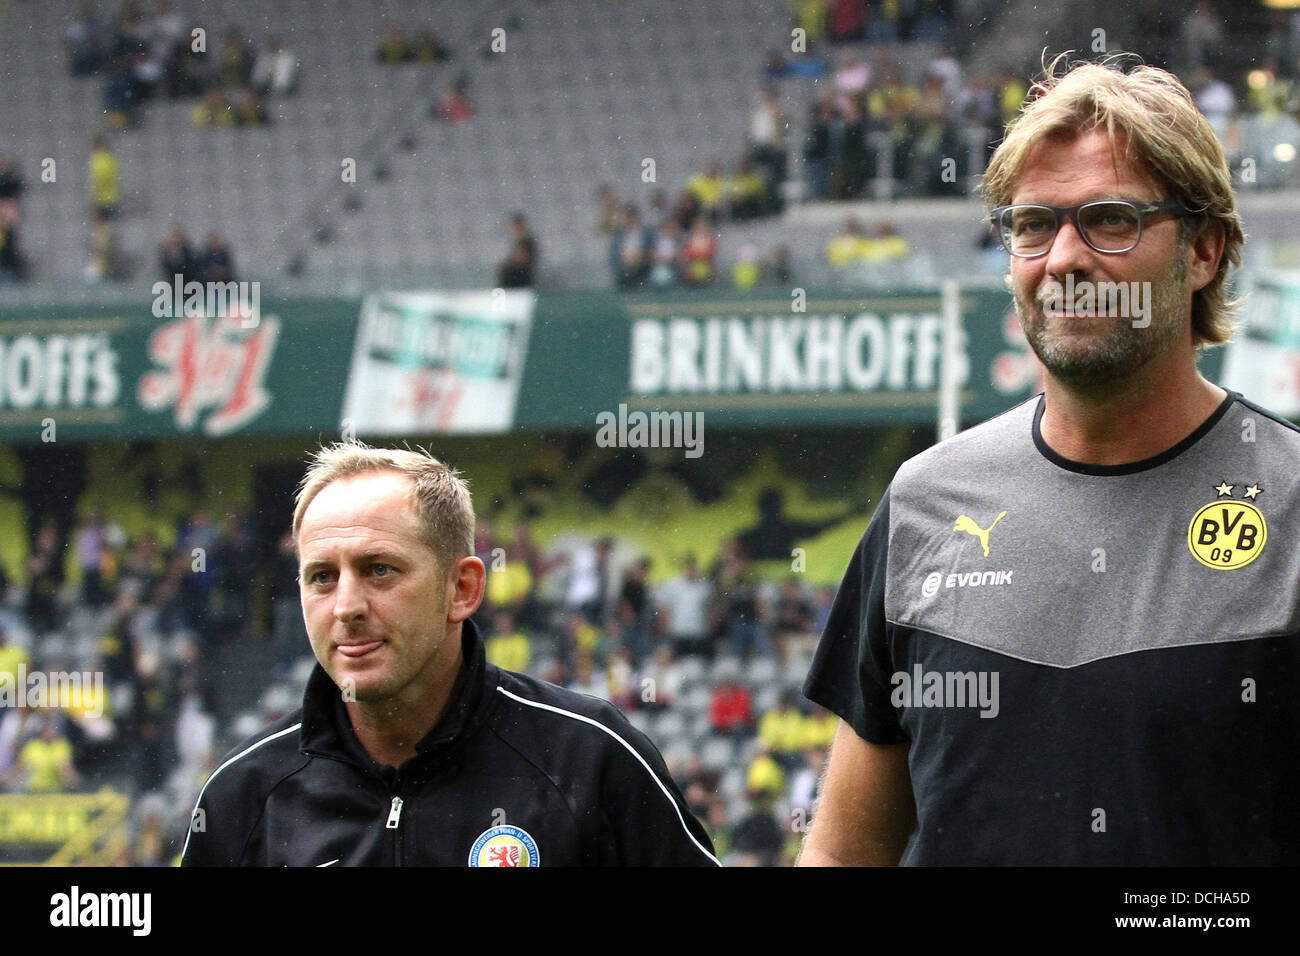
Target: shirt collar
327,730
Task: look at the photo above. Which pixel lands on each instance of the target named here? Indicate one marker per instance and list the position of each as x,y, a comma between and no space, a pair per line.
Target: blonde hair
440,498
1164,134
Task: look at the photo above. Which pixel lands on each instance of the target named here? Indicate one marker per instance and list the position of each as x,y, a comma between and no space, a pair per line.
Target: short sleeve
850,675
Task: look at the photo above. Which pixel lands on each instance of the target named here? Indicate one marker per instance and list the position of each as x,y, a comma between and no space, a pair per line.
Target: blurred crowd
200,642
142,53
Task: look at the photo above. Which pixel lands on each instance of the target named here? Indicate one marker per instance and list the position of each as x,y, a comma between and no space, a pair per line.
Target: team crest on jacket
504,846
1229,532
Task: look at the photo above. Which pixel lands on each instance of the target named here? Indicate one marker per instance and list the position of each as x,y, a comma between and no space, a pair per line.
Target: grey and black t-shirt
1094,665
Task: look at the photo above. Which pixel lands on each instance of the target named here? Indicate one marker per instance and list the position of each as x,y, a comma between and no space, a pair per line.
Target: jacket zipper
394,821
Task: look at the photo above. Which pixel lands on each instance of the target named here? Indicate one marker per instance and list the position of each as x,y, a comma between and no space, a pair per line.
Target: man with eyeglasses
1071,635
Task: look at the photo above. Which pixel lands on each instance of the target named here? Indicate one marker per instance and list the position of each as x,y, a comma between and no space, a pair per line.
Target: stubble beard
1112,357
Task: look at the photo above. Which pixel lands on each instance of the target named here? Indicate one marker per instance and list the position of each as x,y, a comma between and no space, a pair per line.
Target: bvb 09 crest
1228,534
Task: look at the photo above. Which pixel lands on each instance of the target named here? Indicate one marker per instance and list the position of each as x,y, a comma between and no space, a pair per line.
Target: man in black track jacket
410,749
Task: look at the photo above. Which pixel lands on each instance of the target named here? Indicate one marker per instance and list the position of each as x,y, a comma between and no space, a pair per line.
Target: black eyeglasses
1027,230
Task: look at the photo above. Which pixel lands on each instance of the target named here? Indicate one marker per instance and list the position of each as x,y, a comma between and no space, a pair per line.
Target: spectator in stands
11,192
630,250
685,209
847,159
11,658
684,601
1011,93
632,610
589,580
747,193
758,839
235,69
698,254
452,106
393,47
825,600
215,110
216,262
13,734
893,105
103,178
737,585
777,270
177,258
510,582
663,677
774,67
887,246
928,21
507,646
884,23
185,70
765,774
428,48
143,568
588,678
235,556
665,256
810,17
44,579
945,66
44,763
518,270
805,783
846,249
83,38
196,546
927,171
105,260
1201,37
767,147
248,110
611,210
120,96
1215,99
781,731
91,556
275,70
977,105
288,632
731,709
817,148
747,270
149,734
658,212
709,189
1283,41
794,618
853,77
13,267
847,21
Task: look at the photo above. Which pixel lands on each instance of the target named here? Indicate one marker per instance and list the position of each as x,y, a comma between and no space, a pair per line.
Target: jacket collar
326,729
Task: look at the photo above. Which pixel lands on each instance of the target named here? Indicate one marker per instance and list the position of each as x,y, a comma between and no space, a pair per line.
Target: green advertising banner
478,362
784,361
124,372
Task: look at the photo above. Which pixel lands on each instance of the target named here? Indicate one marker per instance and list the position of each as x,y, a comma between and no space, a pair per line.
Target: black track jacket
518,773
